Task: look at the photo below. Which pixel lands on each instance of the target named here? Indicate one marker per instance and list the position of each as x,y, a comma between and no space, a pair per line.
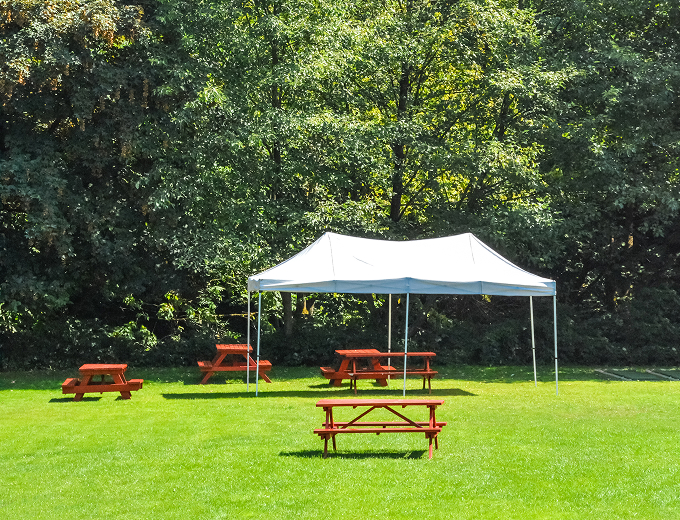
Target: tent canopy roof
459,264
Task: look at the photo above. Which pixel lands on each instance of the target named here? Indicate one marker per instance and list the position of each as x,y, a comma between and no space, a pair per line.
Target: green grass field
601,449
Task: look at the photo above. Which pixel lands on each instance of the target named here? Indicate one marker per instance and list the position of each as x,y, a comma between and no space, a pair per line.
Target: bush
462,330
73,342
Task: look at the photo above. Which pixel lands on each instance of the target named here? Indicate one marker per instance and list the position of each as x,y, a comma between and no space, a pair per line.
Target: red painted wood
430,428
370,353
100,388
116,372
349,368
102,369
361,352
233,358
334,431
370,374
234,348
378,402
389,423
264,365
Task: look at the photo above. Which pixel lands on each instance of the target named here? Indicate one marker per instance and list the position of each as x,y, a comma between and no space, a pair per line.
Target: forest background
155,154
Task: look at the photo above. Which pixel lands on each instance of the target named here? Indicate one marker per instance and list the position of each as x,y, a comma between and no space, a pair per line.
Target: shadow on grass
221,382
396,394
323,385
52,379
316,454
70,399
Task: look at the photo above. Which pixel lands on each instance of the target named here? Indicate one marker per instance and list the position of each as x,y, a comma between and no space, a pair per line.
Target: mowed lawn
601,449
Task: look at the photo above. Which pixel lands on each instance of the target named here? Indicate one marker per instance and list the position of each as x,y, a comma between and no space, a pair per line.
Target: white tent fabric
459,264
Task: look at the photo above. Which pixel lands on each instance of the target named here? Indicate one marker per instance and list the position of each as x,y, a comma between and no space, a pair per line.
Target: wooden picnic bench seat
379,427
69,383
74,386
339,375
207,366
371,374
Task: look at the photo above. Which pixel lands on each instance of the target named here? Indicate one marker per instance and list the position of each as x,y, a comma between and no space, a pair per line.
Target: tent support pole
557,388
389,331
533,339
406,342
259,318
248,341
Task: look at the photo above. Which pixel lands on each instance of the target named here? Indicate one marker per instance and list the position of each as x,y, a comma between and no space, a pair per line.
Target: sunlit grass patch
601,449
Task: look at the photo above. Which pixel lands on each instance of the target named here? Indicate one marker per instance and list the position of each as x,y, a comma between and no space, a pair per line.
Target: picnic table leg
378,367
344,365
84,382
217,361
206,377
252,363
219,357
120,380
330,423
433,423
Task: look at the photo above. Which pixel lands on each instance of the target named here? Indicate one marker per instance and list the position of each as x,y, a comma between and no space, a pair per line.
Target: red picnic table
111,379
368,364
348,364
233,358
331,427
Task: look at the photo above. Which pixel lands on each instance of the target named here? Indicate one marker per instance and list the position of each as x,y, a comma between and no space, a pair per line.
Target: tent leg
248,341
406,342
533,339
557,388
389,332
259,319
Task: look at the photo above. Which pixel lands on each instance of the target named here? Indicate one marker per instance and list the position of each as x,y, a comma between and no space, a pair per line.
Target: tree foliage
154,154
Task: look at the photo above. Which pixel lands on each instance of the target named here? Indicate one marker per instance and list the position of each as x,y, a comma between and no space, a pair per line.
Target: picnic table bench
331,427
233,358
353,367
111,379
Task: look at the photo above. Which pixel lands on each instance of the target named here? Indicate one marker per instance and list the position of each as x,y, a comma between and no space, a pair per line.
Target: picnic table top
103,368
358,352
237,348
373,353
379,402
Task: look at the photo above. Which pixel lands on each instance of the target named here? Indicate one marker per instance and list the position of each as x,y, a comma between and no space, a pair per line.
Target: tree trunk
288,321
399,149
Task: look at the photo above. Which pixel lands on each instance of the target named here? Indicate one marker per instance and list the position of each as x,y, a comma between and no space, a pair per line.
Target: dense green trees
614,157
74,97
153,155
82,133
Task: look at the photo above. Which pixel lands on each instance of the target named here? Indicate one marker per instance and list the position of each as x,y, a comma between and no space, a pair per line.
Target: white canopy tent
459,264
